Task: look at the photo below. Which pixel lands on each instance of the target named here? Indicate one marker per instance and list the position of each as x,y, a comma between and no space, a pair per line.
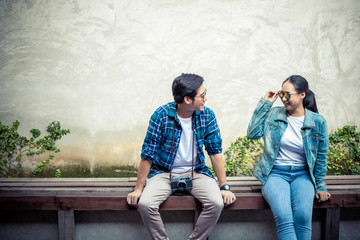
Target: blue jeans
290,193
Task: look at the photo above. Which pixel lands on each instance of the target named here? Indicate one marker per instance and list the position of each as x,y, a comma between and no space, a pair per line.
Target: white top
183,158
291,150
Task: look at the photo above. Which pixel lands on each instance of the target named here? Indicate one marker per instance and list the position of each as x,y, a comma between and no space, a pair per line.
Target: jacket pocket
270,128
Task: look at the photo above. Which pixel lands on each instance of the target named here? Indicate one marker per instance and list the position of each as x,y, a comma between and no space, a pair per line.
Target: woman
294,161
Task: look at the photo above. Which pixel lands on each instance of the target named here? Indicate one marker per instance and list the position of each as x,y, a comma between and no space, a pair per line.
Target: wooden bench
67,195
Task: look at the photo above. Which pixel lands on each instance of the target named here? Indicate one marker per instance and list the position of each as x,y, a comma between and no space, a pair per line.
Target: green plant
57,173
344,151
242,156
13,147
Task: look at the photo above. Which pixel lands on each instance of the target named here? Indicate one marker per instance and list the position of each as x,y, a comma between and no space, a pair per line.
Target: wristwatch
225,187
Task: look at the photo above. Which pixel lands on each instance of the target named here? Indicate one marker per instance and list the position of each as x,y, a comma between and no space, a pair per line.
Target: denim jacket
271,124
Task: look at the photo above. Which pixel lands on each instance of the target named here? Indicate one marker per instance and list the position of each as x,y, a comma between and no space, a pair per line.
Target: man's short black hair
186,85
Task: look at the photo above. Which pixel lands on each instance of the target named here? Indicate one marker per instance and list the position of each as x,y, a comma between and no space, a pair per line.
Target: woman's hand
271,96
322,196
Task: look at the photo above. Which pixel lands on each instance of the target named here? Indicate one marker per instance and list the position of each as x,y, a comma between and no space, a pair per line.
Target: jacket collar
281,115
308,120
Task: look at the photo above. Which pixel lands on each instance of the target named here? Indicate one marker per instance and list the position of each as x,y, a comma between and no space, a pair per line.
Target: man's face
199,101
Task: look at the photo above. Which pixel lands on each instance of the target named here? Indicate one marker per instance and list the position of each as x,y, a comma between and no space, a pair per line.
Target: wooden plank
93,203
133,179
350,181
65,189
34,180
248,201
67,184
66,224
355,177
186,202
116,202
330,224
343,187
125,190
28,203
342,182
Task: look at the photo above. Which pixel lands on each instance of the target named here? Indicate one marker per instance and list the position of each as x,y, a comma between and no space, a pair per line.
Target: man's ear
187,100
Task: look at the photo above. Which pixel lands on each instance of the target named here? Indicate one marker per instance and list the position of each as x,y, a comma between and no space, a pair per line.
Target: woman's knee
303,219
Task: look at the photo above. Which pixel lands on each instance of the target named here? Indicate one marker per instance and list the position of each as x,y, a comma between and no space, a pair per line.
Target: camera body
181,183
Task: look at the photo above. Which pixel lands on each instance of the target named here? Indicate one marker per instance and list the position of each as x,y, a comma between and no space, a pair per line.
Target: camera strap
193,150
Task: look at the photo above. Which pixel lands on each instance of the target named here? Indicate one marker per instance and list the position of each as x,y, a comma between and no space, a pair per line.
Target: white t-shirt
183,159
291,150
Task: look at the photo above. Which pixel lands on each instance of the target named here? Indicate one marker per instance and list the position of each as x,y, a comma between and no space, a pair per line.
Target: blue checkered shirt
158,139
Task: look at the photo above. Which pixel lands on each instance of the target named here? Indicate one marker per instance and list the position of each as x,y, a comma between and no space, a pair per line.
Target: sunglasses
203,95
287,95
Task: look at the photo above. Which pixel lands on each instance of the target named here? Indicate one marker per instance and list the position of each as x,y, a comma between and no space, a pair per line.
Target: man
171,149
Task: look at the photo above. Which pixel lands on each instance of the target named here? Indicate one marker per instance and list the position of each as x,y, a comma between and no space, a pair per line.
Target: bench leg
66,224
330,224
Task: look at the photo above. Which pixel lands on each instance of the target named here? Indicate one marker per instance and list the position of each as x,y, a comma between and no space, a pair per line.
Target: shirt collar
172,110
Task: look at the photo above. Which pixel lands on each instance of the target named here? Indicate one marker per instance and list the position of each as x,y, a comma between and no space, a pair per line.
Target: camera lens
181,186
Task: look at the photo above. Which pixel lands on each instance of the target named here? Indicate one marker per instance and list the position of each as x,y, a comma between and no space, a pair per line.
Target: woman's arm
320,166
256,126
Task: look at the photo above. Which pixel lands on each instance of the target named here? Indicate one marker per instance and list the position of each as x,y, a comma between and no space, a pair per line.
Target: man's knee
146,205
214,204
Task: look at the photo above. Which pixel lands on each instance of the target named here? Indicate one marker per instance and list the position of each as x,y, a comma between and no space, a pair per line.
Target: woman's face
295,102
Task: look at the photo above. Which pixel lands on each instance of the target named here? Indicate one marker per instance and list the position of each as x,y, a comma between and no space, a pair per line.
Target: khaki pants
158,189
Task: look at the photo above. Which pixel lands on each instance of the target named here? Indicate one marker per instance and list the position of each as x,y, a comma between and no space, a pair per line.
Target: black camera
181,183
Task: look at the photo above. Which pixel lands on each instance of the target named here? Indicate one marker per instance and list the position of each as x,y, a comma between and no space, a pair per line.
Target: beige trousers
158,189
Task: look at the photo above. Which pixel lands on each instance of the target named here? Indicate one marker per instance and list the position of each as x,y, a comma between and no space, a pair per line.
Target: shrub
242,156
13,147
344,151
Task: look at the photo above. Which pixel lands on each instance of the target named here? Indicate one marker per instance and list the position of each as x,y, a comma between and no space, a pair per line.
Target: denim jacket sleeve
256,126
320,166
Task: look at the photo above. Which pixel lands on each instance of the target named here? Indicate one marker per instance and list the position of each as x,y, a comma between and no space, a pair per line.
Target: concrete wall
102,67
127,225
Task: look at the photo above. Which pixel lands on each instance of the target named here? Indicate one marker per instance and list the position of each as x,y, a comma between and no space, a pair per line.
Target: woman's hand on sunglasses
271,96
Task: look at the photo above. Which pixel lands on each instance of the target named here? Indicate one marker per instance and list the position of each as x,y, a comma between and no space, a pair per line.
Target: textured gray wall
102,67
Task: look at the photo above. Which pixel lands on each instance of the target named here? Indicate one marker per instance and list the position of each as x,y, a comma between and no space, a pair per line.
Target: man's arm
143,171
218,165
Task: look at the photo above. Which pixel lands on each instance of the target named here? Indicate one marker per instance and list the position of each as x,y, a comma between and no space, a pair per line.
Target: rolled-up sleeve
212,138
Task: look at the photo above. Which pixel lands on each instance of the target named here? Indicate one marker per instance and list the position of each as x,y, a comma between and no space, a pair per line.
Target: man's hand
228,197
133,197
322,196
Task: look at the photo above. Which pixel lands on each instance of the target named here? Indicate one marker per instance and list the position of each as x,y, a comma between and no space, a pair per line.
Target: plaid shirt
158,139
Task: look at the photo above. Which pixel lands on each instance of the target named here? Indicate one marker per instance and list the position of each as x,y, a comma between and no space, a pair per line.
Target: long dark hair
301,85
187,84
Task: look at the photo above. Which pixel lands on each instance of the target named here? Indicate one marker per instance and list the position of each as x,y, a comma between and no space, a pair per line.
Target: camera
181,183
